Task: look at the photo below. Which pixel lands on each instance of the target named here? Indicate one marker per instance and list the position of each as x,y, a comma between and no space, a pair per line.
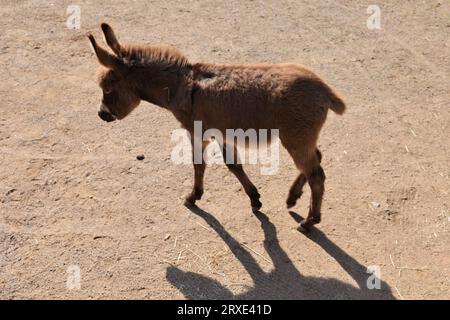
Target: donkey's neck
164,87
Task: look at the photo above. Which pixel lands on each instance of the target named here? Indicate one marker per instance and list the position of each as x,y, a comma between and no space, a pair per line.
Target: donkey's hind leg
236,168
316,180
296,190
309,165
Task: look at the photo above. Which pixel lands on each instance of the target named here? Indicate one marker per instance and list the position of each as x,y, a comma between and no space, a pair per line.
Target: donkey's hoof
307,224
303,229
290,203
188,202
292,199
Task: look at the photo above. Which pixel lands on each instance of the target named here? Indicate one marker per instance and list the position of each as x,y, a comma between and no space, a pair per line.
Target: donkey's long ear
104,57
111,39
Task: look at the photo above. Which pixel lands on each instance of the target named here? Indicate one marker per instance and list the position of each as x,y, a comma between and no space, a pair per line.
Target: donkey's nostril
106,116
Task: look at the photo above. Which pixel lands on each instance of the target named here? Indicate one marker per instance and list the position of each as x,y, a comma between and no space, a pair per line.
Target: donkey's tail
336,102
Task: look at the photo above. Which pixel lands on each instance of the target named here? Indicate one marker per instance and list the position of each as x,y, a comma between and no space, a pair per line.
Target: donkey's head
120,96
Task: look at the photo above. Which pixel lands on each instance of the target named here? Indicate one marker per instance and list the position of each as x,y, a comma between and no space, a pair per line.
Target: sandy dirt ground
74,198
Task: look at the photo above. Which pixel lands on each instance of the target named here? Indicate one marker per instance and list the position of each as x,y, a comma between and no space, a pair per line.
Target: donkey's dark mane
151,56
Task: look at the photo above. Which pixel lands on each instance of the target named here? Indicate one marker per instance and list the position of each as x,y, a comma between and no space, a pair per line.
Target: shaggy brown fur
287,97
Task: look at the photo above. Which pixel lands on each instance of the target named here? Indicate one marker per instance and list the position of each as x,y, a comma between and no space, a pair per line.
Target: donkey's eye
107,90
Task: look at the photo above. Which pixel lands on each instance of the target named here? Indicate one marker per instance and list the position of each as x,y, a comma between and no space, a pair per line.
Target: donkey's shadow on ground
284,281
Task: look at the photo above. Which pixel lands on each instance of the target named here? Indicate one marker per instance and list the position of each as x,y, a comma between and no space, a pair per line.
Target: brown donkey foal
287,97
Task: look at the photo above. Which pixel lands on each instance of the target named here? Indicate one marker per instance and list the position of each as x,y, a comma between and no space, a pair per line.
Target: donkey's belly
241,119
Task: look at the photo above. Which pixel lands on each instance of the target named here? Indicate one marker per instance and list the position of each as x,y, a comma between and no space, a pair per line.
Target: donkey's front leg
197,190
237,169
199,172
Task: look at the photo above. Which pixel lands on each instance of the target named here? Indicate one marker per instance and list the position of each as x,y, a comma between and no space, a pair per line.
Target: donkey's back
261,96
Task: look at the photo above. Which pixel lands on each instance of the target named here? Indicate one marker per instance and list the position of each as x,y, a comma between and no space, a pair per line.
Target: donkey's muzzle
106,116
